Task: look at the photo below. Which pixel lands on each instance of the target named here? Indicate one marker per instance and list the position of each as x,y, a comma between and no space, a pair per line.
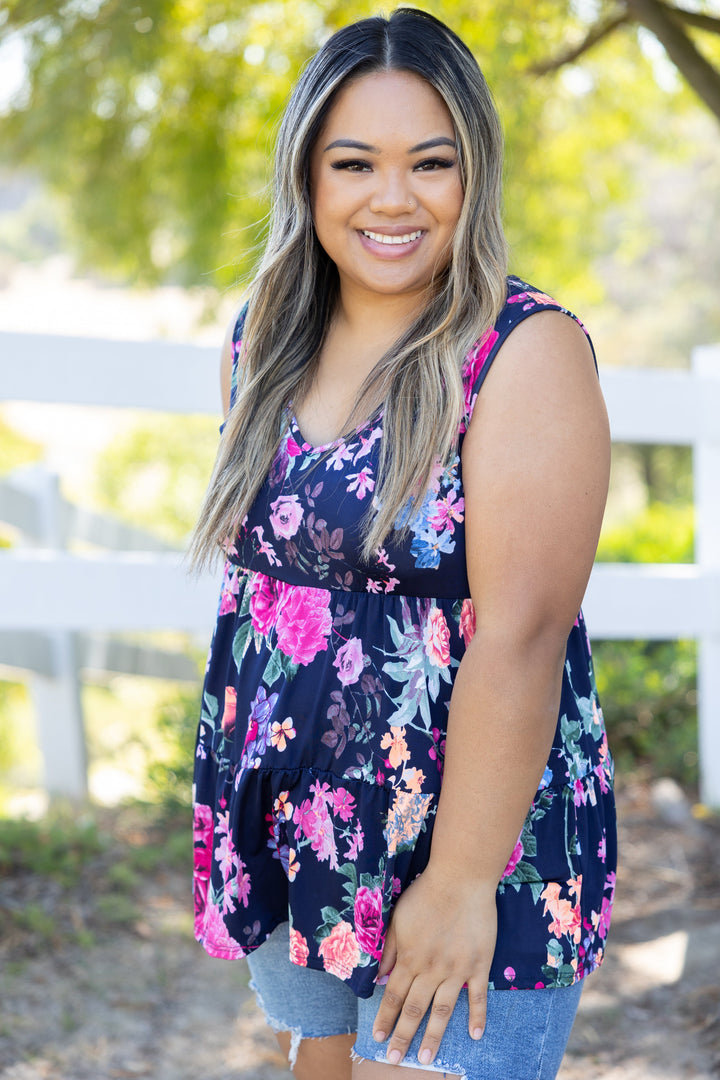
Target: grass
76,879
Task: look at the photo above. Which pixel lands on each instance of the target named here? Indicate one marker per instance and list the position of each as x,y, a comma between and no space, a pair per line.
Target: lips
392,240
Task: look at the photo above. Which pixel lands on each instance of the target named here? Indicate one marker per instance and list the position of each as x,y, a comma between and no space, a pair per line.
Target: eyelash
358,165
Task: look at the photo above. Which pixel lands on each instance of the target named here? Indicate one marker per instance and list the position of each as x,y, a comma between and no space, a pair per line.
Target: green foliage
649,688
69,879
38,922
156,135
649,698
170,779
12,697
156,475
661,533
666,471
57,848
117,909
16,449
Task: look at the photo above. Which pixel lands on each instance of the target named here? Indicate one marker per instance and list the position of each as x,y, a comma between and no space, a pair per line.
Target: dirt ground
145,1001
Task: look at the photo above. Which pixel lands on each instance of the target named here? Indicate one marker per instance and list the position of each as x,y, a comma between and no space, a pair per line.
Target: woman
406,558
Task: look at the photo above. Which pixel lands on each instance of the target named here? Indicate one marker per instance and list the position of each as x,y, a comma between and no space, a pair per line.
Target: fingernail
424,1056
394,1057
477,1033
379,1036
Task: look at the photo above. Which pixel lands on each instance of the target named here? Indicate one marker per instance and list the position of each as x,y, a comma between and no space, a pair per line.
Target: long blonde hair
419,380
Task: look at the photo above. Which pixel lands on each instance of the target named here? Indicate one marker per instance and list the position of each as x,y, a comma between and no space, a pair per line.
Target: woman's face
385,184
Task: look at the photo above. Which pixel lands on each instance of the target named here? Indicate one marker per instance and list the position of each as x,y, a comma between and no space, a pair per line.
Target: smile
383,238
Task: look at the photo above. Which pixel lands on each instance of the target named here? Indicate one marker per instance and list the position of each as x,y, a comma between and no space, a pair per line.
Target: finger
417,1002
477,1001
443,1004
391,1004
389,953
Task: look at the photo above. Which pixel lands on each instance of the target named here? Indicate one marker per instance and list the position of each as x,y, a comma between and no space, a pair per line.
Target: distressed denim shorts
525,1035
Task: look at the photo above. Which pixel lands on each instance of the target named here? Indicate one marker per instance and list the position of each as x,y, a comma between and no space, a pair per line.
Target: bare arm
535,473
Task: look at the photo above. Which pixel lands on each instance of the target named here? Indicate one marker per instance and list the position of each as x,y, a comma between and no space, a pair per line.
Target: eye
431,164
352,165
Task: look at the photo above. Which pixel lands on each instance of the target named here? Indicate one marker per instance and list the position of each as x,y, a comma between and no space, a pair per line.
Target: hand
441,936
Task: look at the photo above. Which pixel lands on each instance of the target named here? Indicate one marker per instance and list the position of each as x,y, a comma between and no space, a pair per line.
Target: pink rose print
287,513
203,845
436,638
340,951
266,595
368,920
350,661
514,859
230,589
304,623
467,622
228,717
299,951
211,931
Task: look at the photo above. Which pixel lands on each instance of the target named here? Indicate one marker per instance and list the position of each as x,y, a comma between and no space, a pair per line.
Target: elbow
536,638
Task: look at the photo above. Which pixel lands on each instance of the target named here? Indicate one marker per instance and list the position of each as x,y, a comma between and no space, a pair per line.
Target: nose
392,194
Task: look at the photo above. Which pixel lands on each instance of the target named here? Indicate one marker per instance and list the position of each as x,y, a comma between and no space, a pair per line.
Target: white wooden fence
46,590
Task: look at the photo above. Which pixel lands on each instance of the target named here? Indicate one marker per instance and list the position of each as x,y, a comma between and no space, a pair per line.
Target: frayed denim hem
296,1034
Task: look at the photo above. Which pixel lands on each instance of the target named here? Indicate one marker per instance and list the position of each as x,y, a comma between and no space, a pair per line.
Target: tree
153,123
670,25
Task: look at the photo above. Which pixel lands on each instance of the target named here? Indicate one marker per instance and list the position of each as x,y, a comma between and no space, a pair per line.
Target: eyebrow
354,144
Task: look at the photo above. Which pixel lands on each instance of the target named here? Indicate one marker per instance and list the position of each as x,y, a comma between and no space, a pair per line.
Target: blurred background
134,148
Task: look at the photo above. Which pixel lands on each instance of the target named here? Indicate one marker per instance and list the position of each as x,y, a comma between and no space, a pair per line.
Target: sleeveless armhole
236,350
523,300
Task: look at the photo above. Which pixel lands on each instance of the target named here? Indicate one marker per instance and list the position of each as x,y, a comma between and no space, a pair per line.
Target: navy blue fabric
320,746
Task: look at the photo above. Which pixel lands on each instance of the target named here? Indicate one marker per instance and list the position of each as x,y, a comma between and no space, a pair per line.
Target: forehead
388,104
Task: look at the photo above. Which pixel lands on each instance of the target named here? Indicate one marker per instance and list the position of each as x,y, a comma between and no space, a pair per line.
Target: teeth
383,238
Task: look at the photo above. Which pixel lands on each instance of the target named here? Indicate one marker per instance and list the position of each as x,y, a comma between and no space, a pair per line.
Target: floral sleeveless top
320,745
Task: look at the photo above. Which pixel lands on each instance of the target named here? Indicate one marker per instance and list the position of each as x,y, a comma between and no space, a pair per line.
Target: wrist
457,875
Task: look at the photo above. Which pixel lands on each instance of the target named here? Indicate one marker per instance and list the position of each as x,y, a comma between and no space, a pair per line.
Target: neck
373,317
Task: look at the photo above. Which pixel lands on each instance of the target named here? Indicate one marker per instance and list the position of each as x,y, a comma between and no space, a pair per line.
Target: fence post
706,477
56,697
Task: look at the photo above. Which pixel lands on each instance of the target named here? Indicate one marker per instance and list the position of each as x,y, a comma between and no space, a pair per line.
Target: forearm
503,716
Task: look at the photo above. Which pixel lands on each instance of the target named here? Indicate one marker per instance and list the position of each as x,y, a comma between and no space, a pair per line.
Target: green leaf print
524,874
278,666
330,917
210,709
244,606
240,641
558,977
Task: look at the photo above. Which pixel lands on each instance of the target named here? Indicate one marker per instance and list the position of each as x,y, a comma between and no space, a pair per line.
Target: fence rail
61,596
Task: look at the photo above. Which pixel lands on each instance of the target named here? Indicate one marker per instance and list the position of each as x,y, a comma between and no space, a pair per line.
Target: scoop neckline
308,448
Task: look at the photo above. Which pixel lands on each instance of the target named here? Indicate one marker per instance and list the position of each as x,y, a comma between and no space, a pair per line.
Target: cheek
455,204
323,204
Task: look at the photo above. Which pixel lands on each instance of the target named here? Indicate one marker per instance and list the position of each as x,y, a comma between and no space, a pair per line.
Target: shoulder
524,300
511,331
